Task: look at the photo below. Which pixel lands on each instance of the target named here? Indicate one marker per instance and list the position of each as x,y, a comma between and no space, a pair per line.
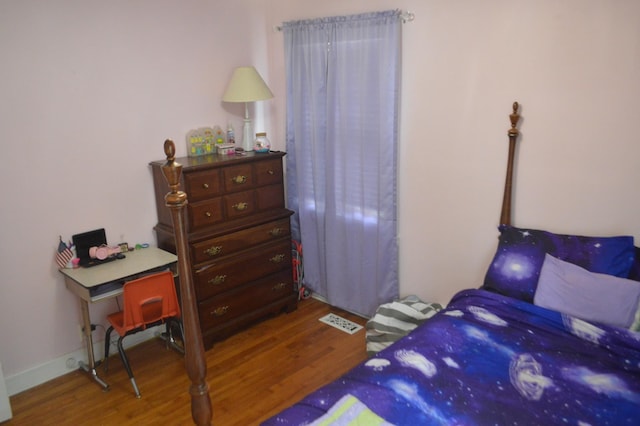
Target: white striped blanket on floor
395,320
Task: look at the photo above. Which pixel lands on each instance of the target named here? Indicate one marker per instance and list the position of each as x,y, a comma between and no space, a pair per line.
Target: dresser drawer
240,204
269,172
270,197
235,303
227,244
205,213
202,185
251,265
238,178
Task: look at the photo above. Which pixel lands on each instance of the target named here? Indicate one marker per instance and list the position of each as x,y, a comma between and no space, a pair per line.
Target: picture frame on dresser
239,238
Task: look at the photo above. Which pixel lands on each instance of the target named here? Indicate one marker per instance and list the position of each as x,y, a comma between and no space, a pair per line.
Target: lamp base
247,135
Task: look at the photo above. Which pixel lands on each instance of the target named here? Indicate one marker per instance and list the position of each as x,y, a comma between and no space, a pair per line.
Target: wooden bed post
505,216
195,361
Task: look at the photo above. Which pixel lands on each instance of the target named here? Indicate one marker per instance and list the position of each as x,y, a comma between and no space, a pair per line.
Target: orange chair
148,301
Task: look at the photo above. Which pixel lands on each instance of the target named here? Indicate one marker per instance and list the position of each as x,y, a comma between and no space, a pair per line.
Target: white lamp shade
246,85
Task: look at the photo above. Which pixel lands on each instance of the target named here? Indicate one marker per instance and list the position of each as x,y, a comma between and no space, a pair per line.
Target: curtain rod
406,16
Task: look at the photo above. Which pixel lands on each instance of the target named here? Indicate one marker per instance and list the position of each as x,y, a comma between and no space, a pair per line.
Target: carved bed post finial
172,171
195,362
505,215
514,117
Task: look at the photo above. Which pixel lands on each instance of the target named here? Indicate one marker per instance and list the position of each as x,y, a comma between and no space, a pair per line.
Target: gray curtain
343,87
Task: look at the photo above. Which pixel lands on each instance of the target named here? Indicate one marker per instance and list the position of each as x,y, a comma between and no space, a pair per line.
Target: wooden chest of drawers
239,238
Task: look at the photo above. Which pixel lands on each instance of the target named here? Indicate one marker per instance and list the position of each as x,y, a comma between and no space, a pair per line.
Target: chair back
149,299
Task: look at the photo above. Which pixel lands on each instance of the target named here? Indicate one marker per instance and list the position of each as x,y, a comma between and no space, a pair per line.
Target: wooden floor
251,376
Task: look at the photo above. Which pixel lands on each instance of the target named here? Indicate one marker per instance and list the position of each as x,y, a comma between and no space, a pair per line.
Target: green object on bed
350,411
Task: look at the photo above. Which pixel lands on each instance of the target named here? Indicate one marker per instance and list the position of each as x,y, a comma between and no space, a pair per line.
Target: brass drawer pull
240,179
276,232
279,286
213,250
220,311
271,172
278,258
205,185
241,206
207,214
217,280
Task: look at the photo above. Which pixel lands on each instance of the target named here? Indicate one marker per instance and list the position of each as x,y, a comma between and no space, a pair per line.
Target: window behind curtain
343,83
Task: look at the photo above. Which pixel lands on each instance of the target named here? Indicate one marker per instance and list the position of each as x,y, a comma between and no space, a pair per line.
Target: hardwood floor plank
252,376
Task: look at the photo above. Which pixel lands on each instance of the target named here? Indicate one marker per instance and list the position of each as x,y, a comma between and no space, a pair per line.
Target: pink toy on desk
102,252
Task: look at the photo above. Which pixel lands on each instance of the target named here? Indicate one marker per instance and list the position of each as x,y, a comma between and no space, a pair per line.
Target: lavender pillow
573,290
516,265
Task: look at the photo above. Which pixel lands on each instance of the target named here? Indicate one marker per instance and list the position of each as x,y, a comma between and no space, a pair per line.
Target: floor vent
341,323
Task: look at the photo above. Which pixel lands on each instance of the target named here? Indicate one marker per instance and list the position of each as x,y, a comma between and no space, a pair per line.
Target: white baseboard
69,362
5,407
320,298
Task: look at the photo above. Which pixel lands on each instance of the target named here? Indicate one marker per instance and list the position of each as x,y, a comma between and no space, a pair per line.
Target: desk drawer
225,275
216,248
235,303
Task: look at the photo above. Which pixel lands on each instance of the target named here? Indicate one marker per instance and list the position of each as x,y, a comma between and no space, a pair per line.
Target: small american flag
64,254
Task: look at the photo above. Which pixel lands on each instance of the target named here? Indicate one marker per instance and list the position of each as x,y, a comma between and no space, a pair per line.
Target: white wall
89,90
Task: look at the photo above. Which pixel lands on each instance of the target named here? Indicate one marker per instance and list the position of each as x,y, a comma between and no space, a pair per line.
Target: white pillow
590,296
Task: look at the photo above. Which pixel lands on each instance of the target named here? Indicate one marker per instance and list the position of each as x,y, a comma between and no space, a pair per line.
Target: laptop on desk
85,241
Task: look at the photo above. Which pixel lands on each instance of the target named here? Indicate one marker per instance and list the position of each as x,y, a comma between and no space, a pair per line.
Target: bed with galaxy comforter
551,338
490,359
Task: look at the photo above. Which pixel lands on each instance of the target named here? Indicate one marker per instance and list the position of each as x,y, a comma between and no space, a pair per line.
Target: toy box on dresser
239,238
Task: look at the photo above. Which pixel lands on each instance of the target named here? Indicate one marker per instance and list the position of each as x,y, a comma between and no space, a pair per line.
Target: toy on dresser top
210,140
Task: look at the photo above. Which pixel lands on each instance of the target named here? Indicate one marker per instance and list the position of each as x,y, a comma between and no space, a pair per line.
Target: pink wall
573,66
90,90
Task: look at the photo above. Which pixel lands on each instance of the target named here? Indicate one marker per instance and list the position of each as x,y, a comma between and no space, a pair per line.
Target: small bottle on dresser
231,136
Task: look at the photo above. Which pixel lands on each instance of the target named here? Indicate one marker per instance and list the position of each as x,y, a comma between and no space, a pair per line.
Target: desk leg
91,367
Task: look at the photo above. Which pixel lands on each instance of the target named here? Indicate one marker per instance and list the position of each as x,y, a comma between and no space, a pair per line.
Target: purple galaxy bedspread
492,360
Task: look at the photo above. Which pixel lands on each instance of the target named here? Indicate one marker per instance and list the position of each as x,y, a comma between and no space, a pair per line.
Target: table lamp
246,86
